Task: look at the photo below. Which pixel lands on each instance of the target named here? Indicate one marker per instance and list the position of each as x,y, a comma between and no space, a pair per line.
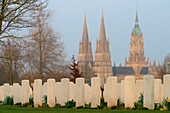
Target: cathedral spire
85,38
102,36
136,20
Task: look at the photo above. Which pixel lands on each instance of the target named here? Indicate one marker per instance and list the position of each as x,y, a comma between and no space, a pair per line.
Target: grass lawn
17,109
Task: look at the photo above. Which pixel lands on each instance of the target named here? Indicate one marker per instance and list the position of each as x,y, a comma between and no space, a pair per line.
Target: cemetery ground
18,109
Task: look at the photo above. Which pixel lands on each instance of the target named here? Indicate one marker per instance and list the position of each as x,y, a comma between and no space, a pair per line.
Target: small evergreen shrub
157,106
31,101
102,104
44,100
139,104
70,104
102,101
165,102
8,101
87,106
120,104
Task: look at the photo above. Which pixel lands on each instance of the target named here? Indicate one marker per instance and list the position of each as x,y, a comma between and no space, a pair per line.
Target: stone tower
102,65
136,58
85,56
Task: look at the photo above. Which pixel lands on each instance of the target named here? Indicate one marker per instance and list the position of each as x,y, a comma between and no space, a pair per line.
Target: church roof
144,71
123,71
128,71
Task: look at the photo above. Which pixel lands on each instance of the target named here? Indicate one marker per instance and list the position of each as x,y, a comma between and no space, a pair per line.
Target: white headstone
44,89
157,90
122,91
10,90
51,92
87,94
139,88
58,92
71,92
31,93
119,91
105,93
95,92
6,90
25,91
80,92
162,92
166,89
112,91
129,91
149,92
1,93
64,91
16,93
37,87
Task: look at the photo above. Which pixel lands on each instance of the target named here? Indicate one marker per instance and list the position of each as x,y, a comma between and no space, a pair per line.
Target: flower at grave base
161,109
168,100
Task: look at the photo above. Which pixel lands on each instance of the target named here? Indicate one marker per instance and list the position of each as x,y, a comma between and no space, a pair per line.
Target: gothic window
136,54
136,42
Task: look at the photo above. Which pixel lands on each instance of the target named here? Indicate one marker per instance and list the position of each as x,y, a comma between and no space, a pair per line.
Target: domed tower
85,57
136,59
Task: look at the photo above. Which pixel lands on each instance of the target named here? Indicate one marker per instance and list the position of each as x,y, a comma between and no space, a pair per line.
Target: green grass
17,109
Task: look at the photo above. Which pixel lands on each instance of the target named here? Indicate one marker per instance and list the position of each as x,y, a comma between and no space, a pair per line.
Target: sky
119,16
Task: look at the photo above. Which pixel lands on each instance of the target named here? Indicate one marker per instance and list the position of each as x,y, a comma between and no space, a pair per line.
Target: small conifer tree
74,70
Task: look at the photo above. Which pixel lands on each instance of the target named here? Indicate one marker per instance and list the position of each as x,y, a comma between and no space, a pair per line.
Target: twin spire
85,32
102,36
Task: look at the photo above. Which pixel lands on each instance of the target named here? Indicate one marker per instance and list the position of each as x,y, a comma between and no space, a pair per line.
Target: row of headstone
129,90
64,91
20,93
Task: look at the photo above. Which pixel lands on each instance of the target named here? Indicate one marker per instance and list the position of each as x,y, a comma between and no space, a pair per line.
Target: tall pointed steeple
136,20
136,30
85,37
102,65
85,56
102,36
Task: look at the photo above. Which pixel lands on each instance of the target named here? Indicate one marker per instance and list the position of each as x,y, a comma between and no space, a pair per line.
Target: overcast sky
119,17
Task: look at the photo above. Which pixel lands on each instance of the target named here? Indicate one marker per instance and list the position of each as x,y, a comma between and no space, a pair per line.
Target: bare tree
12,60
16,15
45,50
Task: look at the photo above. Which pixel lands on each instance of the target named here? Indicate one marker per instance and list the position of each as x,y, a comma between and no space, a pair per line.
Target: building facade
102,65
136,65
85,56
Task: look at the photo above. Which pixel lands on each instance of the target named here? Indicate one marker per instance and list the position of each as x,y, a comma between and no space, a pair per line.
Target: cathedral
136,65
